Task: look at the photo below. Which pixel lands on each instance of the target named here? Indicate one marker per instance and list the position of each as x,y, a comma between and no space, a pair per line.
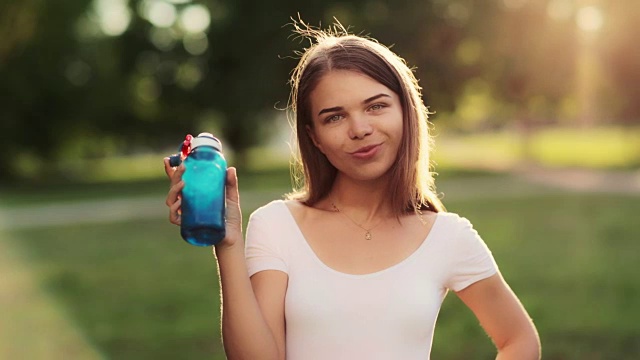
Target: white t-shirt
389,314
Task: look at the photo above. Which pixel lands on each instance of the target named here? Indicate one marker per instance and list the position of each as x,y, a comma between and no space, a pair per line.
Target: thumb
233,211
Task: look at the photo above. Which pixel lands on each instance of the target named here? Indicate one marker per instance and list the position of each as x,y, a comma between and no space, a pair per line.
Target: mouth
366,152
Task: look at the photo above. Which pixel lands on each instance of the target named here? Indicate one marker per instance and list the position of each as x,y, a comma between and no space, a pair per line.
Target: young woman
355,264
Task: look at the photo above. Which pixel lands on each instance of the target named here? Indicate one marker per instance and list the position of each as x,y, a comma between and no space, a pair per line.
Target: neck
364,201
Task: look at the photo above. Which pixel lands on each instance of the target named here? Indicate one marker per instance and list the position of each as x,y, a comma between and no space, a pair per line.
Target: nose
359,127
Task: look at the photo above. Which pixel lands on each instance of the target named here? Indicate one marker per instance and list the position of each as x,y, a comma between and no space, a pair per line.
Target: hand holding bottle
233,216
174,199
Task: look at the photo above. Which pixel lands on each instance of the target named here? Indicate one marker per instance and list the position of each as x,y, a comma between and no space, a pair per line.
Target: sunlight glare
457,12
195,19
163,39
188,75
196,44
148,90
560,9
113,16
514,4
590,19
159,13
469,51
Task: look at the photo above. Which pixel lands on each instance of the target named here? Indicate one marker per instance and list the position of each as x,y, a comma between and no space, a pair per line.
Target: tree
72,86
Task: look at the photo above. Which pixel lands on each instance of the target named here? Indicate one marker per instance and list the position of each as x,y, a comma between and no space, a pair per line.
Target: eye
333,118
376,107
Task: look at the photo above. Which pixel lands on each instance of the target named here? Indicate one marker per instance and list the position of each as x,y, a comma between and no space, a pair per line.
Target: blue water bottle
203,195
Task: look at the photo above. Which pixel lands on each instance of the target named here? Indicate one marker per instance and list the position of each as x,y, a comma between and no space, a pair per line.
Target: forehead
344,88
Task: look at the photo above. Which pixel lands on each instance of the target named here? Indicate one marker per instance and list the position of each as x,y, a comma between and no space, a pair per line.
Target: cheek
313,138
321,144
325,140
400,136
398,125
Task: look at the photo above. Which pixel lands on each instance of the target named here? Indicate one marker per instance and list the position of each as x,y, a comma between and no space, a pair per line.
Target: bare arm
252,310
503,318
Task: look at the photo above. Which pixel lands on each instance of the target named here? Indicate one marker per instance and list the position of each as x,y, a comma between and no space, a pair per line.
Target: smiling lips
366,152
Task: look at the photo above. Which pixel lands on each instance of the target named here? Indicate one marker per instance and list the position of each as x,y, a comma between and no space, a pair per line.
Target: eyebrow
366,101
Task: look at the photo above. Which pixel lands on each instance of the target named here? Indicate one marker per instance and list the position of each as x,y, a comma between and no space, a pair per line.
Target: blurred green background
537,142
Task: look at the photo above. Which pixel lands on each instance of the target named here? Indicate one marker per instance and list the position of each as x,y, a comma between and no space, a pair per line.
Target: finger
168,169
232,185
176,177
174,193
233,211
175,215
173,173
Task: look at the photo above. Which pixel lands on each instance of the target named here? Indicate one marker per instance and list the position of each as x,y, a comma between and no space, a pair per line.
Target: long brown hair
412,184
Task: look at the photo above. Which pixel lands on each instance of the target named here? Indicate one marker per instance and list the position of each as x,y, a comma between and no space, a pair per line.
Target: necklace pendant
367,236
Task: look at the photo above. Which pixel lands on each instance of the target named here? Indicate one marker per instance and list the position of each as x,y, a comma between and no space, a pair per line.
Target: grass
572,261
134,288
25,194
597,148
278,178
139,292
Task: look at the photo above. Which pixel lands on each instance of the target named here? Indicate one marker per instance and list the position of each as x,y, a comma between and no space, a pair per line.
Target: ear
313,137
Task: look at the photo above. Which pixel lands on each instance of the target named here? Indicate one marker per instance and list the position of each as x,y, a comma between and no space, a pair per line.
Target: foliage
73,87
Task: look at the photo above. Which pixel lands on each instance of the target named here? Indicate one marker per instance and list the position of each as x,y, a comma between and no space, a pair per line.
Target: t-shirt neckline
319,261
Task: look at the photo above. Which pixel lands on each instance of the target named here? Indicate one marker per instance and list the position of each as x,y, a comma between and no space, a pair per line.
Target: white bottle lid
206,139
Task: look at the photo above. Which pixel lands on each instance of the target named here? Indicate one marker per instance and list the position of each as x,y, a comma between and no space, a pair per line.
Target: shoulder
453,221
456,232
277,215
268,225
273,209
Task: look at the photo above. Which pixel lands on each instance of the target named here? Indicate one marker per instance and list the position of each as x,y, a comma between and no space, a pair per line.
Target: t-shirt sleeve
472,260
263,251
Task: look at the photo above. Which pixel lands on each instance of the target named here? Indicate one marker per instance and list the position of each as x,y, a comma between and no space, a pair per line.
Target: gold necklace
367,234
419,212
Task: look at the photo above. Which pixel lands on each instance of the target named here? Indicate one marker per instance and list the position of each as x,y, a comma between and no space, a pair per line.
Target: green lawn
139,292
572,259
26,194
606,147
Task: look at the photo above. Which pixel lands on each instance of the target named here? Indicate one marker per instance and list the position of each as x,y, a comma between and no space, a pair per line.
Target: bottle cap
206,139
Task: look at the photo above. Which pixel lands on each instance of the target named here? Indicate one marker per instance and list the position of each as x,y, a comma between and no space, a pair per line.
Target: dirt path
98,211
519,185
583,180
32,325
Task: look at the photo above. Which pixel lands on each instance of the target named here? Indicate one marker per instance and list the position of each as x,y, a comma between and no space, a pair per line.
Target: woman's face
357,124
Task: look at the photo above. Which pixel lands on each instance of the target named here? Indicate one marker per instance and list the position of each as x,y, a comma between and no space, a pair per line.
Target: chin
370,174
